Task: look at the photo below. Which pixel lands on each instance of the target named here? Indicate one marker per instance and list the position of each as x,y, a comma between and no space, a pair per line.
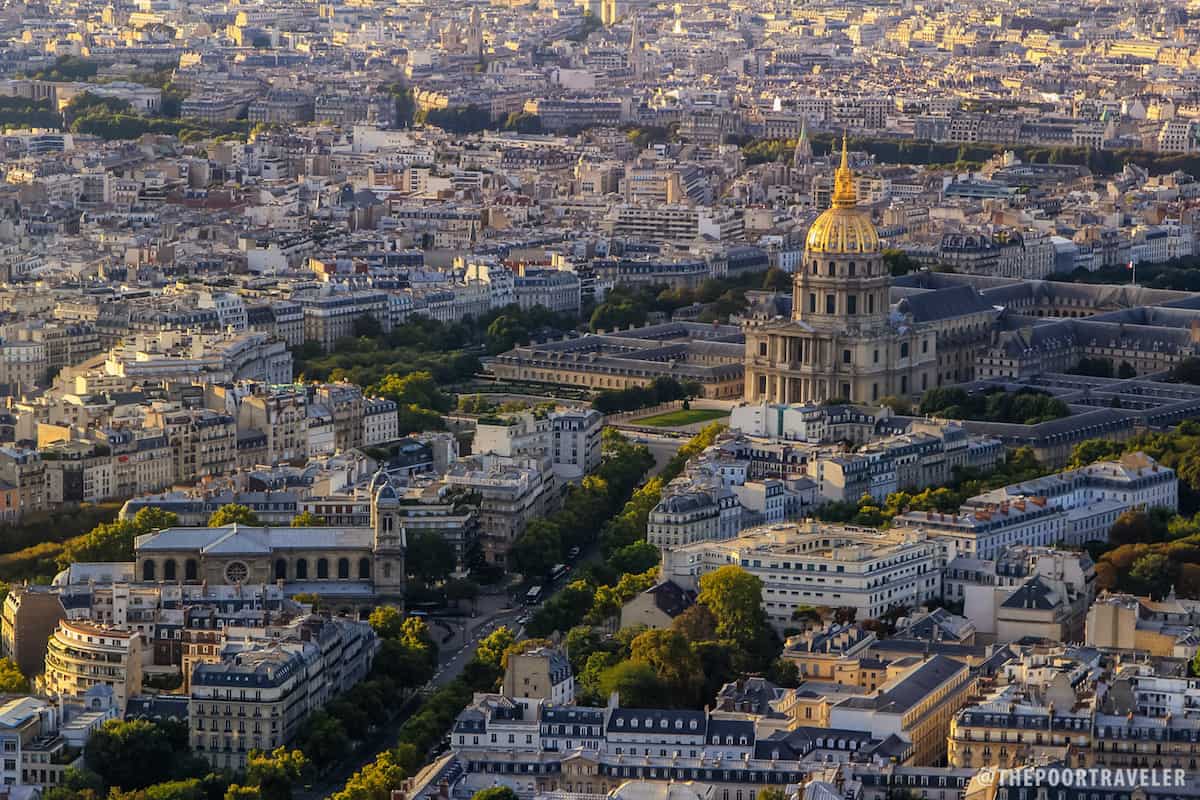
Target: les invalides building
843,341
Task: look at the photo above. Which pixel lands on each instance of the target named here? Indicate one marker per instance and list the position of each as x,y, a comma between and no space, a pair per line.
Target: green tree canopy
734,597
232,513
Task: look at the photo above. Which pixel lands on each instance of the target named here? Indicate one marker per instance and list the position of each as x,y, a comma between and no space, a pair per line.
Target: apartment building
694,514
30,616
810,563
257,695
328,318
345,403
81,655
22,482
512,491
918,706
203,442
542,673
380,421
1071,507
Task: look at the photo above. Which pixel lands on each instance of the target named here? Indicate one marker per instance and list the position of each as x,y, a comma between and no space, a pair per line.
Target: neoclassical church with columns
843,340
350,569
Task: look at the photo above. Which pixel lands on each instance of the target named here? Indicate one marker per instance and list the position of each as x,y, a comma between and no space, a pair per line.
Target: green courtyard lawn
682,416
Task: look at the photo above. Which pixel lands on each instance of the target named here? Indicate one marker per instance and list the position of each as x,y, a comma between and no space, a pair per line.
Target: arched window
280,569
322,568
301,569
169,569
364,569
190,570
343,568
832,269
147,570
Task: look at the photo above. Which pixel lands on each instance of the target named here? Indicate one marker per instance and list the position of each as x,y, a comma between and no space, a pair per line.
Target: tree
673,660
697,624
375,781
1187,371
153,518
322,738
776,280
386,621
416,388
634,558
429,558
237,792
233,513
636,684
1153,571
537,549
1093,450
523,122
897,405
131,754
734,597
307,519
495,793
276,772
1135,527
11,679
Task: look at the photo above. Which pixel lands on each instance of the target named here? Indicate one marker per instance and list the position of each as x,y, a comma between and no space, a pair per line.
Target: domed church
843,341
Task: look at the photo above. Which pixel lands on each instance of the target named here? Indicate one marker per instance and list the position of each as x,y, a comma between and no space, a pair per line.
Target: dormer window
662,723
728,740
693,724
620,723
678,724
716,740
633,722
742,741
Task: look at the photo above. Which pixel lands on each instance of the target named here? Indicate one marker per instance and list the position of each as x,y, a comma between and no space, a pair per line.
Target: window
236,572
364,569
812,303
280,569
924,345
832,269
871,304
148,571
850,268
845,356
322,568
301,569
830,304
189,569
169,569
875,356
852,304
762,348
343,568
904,349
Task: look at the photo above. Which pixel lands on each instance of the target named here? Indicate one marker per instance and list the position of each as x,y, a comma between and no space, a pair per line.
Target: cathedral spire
803,152
844,193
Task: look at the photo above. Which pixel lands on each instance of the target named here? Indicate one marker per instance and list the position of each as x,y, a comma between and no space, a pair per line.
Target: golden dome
843,229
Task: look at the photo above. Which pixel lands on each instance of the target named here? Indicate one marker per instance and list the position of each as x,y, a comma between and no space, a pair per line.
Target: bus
559,571
533,596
